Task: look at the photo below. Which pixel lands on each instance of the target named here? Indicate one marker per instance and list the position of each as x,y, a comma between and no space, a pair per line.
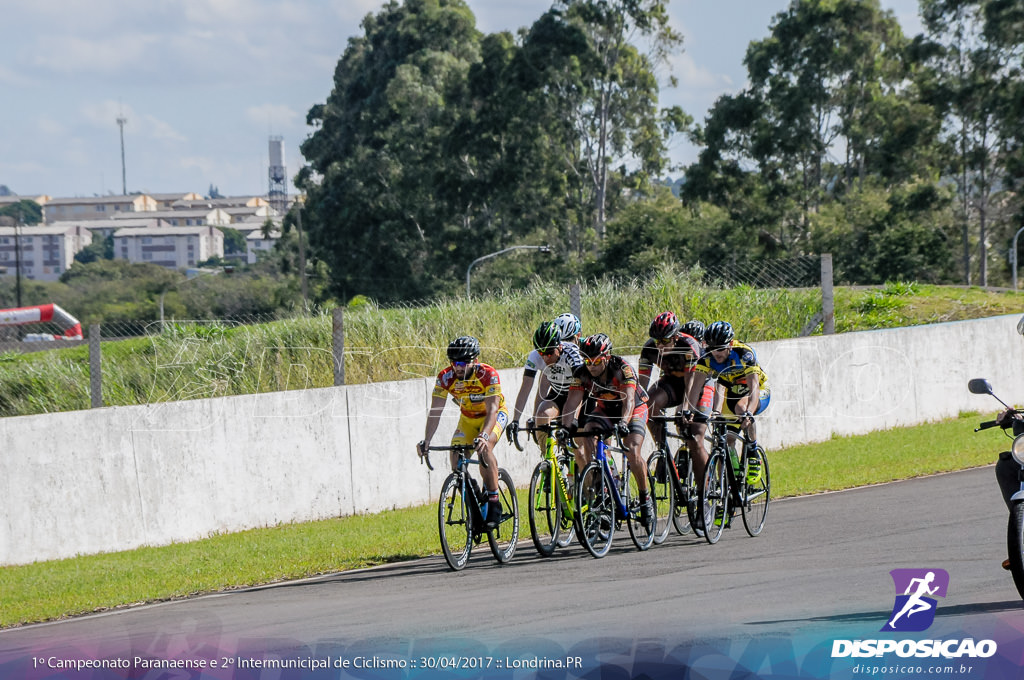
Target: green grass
61,588
197,361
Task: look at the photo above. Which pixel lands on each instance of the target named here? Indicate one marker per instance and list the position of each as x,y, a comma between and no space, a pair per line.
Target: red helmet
664,326
598,345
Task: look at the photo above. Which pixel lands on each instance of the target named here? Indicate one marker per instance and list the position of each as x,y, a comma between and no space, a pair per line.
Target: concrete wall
117,478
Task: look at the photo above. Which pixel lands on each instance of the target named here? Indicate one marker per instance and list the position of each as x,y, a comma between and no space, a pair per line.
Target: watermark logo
916,590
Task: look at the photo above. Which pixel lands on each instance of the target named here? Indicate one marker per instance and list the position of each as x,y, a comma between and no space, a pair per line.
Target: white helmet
569,325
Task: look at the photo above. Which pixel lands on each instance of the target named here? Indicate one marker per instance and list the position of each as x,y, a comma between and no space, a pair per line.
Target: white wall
117,478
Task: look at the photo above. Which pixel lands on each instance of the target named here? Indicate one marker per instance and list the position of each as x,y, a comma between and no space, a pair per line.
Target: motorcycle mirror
979,386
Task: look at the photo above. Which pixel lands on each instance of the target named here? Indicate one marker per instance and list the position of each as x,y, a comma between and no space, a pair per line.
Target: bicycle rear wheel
714,498
454,522
684,505
596,508
663,493
503,537
642,539
757,492
544,510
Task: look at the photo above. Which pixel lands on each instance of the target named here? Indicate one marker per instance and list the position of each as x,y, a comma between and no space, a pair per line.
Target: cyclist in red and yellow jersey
476,388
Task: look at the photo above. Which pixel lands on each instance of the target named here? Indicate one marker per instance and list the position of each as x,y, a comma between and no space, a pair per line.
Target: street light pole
1013,254
543,249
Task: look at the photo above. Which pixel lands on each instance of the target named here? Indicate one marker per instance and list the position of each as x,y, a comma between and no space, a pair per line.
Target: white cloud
274,116
74,55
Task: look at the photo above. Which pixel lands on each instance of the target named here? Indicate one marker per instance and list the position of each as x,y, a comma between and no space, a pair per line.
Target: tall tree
378,156
965,77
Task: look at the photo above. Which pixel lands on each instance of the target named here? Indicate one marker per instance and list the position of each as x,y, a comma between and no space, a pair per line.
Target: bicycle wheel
454,523
596,508
757,493
503,537
714,498
663,492
684,505
642,539
544,511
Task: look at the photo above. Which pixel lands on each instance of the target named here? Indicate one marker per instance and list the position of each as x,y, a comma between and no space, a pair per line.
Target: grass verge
62,588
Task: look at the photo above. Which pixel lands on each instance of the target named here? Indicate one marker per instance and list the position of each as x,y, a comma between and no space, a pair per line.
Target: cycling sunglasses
596,360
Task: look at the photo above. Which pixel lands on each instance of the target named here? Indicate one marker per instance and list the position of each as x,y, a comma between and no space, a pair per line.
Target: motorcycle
1010,475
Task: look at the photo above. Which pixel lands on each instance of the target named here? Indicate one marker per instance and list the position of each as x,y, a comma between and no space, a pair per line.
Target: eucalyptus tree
379,172
968,75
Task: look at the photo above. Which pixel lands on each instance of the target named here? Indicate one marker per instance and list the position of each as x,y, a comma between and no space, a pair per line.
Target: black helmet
694,328
719,334
547,337
597,345
465,348
664,326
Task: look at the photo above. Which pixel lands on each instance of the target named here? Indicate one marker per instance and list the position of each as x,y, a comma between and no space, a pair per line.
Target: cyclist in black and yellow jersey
745,384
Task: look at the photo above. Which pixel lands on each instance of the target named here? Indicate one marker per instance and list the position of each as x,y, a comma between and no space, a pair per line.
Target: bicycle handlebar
459,448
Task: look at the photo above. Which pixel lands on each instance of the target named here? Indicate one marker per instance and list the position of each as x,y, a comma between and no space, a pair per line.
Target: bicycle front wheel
758,487
663,492
642,538
454,522
503,537
714,498
596,507
544,510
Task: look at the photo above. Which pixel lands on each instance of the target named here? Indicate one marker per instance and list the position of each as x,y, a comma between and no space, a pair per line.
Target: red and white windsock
20,316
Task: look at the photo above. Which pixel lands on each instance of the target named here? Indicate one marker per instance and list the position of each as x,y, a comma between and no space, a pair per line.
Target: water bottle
615,472
707,397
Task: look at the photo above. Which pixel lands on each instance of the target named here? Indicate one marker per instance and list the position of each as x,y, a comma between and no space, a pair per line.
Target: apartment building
44,252
167,201
256,243
171,247
105,228
96,207
198,217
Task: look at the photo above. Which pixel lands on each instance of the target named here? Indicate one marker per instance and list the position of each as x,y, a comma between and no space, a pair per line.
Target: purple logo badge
914,609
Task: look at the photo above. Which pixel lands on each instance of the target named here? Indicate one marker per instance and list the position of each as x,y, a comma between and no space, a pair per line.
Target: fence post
338,346
95,367
574,300
828,308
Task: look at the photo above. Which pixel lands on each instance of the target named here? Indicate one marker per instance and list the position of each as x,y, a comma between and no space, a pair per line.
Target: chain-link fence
128,362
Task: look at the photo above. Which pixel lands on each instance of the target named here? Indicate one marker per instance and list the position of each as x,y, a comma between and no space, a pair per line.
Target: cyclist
557,361
674,352
746,386
613,399
476,388
570,326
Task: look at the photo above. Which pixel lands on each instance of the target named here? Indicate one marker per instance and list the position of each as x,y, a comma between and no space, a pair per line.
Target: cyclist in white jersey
556,361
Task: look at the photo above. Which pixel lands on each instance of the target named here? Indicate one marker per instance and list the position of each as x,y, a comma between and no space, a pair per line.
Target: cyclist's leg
548,410
657,404
633,441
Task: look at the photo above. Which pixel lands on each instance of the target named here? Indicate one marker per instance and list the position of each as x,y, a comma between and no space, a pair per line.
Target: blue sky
204,83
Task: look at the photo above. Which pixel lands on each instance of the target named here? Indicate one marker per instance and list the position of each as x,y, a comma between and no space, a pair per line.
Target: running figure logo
914,610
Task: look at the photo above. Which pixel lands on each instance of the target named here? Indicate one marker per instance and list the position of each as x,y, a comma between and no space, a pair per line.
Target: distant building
198,217
227,202
256,243
171,247
107,227
167,201
96,207
41,199
45,252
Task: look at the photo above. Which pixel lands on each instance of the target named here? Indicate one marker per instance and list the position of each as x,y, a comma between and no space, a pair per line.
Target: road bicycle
605,498
745,484
462,506
552,508
674,486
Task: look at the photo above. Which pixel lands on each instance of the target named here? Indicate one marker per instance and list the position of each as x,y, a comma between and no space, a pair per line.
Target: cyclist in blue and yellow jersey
746,387
476,388
675,352
557,361
608,396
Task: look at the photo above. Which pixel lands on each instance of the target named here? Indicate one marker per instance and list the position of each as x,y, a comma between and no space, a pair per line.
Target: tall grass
190,361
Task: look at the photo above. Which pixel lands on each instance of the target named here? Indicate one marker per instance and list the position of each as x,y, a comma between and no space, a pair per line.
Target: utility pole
121,120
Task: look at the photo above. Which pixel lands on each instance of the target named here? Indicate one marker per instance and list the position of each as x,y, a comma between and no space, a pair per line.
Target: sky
204,84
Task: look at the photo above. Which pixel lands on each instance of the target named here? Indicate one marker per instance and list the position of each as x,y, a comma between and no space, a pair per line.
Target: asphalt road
819,571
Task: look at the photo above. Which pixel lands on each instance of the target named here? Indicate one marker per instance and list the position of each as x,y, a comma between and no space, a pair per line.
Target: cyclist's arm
572,406
542,389
434,416
490,418
524,394
628,404
646,366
